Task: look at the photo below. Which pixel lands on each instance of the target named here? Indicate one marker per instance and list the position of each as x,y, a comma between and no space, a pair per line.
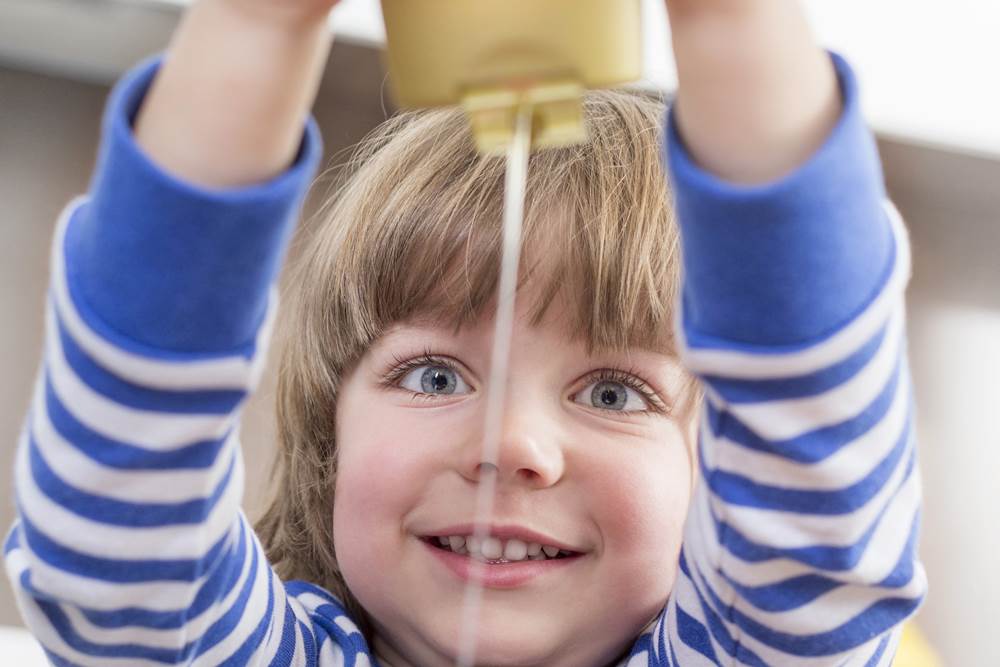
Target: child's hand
229,106
287,10
757,94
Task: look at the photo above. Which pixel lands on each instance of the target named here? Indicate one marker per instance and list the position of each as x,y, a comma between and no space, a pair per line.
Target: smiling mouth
496,551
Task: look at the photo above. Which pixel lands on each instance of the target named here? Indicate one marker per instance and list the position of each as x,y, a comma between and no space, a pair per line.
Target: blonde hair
415,230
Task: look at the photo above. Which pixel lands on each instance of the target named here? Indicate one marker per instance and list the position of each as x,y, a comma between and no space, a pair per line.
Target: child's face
609,483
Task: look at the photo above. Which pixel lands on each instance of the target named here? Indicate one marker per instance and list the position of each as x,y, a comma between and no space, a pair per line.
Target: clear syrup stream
515,187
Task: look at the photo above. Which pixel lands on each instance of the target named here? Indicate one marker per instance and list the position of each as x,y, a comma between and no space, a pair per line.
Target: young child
796,546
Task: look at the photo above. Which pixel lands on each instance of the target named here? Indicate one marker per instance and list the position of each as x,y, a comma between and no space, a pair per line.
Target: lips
499,572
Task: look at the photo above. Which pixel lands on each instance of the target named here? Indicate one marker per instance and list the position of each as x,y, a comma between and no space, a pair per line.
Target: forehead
541,320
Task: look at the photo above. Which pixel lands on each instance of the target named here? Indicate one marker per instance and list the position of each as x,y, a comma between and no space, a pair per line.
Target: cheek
640,503
379,460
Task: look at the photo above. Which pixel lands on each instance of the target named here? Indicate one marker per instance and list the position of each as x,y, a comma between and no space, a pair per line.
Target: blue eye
613,396
434,379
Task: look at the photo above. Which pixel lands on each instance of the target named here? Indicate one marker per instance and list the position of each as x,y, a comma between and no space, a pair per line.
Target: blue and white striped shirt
131,549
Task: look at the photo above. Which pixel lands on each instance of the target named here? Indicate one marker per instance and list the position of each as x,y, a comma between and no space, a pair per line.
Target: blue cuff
789,262
171,265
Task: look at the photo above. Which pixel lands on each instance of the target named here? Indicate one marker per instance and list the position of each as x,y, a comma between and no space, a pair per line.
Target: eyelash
392,377
628,378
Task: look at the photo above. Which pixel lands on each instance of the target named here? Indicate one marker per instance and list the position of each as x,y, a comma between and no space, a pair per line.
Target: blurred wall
48,138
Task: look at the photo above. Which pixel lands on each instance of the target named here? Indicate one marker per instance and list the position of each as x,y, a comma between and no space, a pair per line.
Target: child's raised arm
228,105
800,544
757,95
130,547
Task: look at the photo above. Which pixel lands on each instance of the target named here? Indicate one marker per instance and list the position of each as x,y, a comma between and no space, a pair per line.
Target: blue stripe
220,582
182,655
813,446
101,509
58,619
214,402
297,588
717,626
673,654
13,540
224,625
902,574
735,391
785,595
879,651
242,656
694,635
58,661
862,628
820,556
662,639
122,455
286,649
742,491
352,643
119,570
873,621
643,644
309,643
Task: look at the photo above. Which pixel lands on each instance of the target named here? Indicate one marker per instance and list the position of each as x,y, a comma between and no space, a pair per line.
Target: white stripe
857,656
103,540
46,634
300,646
132,486
347,625
789,530
892,532
108,596
822,615
152,637
50,639
848,465
143,428
185,371
863,654
311,601
768,364
684,596
686,657
330,654
303,618
701,545
790,418
253,612
276,630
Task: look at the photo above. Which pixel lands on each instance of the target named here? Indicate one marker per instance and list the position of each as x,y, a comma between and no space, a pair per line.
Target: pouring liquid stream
515,189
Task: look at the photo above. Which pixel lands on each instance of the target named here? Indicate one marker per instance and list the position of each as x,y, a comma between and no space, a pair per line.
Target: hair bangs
597,233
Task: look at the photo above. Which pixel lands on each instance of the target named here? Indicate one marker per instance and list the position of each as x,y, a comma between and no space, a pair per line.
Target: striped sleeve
800,544
130,547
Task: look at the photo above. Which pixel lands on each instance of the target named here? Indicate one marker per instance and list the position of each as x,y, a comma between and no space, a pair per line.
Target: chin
511,639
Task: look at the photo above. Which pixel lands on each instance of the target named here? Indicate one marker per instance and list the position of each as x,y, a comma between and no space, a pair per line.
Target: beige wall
48,135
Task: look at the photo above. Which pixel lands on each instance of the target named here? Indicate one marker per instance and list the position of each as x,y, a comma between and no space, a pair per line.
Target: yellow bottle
494,56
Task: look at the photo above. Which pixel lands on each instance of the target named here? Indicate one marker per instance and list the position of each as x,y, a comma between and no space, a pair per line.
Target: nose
529,451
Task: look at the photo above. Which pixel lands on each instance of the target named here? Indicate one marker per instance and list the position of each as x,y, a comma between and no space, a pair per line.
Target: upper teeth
493,548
